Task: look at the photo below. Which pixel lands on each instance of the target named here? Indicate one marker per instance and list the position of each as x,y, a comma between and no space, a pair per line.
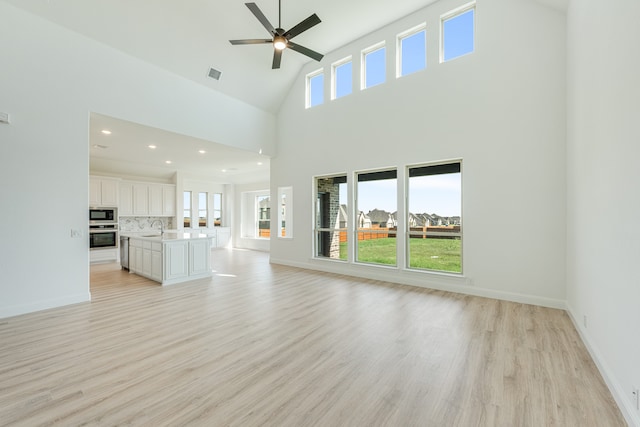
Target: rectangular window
412,51
342,78
374,66
186,213
315,88
376,222
217,209
434,217
457,36
203,213
263,224
331,217
285,215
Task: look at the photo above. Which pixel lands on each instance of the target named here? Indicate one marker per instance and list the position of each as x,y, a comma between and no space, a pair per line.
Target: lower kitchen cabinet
170,261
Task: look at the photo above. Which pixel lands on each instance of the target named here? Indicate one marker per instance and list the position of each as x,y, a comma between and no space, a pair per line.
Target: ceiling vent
214,74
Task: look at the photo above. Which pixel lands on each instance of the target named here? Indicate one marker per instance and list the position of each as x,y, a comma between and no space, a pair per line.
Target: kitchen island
170,257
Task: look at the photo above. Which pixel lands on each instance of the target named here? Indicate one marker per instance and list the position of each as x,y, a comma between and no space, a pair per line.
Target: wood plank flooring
267,345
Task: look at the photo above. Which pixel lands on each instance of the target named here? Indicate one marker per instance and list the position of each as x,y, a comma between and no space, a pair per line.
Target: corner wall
500,109
50,81
603,204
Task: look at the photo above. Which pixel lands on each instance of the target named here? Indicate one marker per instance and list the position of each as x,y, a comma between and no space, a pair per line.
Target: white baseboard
17,310
624,403
441,282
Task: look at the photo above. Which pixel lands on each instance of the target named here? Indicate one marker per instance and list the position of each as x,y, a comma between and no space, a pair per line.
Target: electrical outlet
636,397
584,320
76,233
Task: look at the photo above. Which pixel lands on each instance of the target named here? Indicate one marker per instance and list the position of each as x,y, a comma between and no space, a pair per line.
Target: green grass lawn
429,254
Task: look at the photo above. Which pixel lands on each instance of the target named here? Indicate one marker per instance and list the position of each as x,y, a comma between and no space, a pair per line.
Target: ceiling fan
280,38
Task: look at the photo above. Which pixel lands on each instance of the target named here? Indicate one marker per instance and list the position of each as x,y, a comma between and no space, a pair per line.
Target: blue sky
440,194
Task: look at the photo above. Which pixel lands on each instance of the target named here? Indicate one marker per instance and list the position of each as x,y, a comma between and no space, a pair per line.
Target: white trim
427,280
629,413
17,310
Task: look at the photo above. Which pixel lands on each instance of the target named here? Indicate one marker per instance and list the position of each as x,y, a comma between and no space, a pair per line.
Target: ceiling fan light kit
280,38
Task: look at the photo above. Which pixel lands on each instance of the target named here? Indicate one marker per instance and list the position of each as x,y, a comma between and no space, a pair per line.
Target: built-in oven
103,236
103,215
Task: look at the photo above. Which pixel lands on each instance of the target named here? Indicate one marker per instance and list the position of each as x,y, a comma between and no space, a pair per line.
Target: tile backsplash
143,223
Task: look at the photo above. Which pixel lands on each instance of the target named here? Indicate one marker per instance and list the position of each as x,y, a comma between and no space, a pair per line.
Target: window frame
317,229
206,209
356,210
334,80
363,64
308,85
407,231
404,35
190,210
258,218
450,15
216,209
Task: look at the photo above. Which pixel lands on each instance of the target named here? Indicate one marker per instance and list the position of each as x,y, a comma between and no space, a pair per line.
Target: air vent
214,74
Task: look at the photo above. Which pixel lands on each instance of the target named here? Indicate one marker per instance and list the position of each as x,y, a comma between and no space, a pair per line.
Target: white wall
603,148
50,81
500,109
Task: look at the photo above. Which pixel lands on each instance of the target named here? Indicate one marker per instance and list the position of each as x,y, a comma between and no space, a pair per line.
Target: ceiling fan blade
305,51
263,19
277,57
303,26
251,41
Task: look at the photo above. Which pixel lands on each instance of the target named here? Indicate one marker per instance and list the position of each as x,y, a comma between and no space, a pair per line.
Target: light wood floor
278,346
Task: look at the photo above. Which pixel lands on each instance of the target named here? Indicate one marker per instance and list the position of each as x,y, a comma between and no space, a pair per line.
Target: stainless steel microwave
103,215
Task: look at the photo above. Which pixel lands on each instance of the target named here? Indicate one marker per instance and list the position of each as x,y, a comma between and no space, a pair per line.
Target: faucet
161,225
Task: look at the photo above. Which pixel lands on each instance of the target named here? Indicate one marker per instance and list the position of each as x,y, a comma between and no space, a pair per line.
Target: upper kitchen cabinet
103,191
147,199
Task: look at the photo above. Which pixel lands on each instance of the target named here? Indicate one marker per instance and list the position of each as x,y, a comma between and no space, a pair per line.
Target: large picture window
376,224
331,218
434,217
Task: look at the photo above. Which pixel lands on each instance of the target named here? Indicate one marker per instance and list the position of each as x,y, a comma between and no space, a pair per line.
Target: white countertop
167,236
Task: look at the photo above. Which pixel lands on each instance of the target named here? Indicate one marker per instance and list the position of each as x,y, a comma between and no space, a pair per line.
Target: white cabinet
169,200
140,200
170,261
147,199
223,236
126,199
103,192
156,264
155,200
199,257
176,260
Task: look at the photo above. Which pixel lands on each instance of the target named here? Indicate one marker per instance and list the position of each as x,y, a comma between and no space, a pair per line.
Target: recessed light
168,162
201,151
153,147
106,132
224,170
259,163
